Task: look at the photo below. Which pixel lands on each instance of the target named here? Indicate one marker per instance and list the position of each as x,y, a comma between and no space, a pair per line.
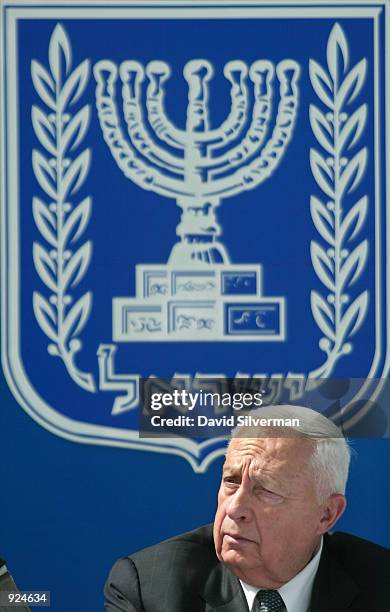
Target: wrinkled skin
269,520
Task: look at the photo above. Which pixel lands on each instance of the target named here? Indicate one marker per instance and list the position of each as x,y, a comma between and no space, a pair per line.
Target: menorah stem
197,74
198,231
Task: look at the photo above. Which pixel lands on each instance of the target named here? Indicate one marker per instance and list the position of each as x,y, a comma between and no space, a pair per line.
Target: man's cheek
221,497
217,531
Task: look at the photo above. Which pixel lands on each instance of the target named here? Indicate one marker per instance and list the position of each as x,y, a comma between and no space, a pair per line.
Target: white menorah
197,178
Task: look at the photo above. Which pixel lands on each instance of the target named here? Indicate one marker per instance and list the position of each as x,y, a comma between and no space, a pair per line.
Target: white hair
331,451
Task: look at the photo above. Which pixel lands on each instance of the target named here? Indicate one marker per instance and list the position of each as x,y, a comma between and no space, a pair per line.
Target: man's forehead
273,451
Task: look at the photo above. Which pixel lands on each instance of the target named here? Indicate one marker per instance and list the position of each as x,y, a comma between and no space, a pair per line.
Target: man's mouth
239,539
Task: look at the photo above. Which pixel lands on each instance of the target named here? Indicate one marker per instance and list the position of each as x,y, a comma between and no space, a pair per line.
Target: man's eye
231,480
267,492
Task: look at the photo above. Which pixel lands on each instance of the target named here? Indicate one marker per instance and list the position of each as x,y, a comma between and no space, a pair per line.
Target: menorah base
195,303
200,253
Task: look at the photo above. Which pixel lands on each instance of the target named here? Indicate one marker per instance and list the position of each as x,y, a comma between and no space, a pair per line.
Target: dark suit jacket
183,574
7,584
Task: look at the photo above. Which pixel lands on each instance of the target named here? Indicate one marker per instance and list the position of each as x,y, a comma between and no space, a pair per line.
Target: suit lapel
237,604
333,589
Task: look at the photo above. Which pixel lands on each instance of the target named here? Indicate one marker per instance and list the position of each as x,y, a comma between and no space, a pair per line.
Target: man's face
269,521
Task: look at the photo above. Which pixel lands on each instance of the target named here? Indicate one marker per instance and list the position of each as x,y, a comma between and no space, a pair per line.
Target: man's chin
235,560
238,553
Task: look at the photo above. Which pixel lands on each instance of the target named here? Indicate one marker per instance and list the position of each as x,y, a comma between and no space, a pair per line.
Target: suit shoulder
364,557
349,543
202,537
122,585
197,542
123,570
173,574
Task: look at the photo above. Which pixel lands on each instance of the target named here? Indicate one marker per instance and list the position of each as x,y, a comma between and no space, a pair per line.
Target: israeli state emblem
194,196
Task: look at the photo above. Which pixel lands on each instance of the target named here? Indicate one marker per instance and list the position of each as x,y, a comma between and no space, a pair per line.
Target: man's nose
239,507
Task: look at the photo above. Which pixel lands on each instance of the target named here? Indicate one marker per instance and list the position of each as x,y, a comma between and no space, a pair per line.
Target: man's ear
333,508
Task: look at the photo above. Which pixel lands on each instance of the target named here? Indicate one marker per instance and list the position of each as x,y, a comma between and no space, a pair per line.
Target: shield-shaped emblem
195,192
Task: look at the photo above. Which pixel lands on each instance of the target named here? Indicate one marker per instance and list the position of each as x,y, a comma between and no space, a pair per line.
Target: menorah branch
261,74
132,76
230,129
263,165
157,73
128,160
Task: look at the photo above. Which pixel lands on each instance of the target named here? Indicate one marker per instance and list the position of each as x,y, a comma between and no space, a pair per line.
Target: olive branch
340,258
59,263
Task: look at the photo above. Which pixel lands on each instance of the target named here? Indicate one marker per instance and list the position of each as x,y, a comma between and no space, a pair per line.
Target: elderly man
270,549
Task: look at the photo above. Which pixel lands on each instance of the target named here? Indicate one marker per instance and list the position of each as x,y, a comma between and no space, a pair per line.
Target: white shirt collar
296,593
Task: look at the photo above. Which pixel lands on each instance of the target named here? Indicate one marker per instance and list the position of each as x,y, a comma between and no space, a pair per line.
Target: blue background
67,511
